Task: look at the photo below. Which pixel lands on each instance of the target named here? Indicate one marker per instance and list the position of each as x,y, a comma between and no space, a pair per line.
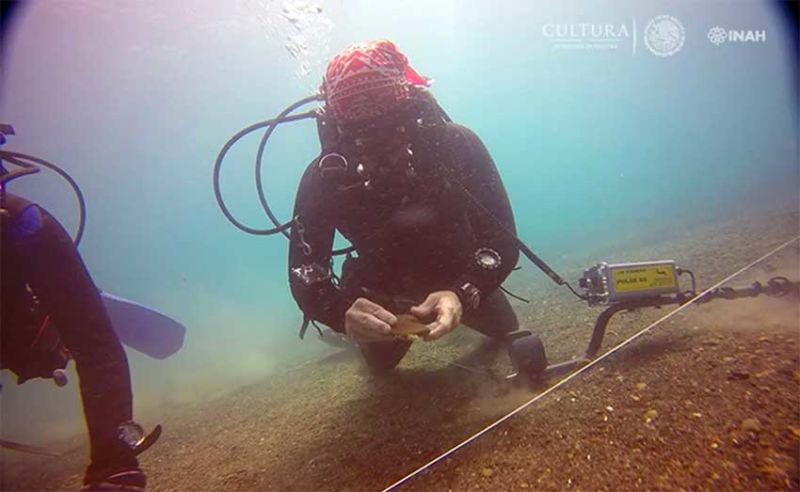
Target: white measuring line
576,373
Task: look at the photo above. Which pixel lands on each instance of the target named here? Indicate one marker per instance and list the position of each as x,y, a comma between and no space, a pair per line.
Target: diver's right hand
367,322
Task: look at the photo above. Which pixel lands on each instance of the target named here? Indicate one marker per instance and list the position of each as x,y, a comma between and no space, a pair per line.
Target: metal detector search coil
607,283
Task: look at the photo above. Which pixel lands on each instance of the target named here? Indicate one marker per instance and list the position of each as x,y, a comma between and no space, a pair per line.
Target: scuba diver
431,228
53,312
392,178
43,272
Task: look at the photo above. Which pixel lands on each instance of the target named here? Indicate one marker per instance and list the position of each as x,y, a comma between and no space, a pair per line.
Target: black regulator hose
260,156
283,117
18,159
9,176
218,166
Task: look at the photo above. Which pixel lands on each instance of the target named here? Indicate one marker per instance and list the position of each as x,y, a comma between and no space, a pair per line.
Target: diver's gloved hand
367,322
445,308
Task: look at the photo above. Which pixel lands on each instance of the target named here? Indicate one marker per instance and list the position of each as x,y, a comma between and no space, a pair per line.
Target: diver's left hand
445,307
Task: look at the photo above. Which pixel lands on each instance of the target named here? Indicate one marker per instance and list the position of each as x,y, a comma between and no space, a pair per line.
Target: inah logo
664,35
719,35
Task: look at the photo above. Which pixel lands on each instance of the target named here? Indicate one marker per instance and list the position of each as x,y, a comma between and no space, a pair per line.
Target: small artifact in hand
409,328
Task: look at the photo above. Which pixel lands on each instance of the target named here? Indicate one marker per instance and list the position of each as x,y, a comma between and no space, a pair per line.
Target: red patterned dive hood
367,80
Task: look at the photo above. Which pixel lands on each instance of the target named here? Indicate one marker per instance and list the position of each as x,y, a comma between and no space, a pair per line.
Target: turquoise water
595,144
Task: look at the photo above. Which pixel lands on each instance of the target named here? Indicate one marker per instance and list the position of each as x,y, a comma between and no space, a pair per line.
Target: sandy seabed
709,399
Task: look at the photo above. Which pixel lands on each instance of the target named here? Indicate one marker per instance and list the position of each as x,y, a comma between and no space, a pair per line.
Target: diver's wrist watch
469,295
130,433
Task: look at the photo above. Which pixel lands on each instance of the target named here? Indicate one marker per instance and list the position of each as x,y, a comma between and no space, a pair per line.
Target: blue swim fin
143,328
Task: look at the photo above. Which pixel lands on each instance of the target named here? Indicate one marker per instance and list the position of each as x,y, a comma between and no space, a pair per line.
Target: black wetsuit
37,253
413,219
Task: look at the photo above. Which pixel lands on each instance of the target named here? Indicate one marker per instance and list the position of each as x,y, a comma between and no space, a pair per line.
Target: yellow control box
634,280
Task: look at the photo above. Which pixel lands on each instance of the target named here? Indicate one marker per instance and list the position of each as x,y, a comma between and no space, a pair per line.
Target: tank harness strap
304,326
